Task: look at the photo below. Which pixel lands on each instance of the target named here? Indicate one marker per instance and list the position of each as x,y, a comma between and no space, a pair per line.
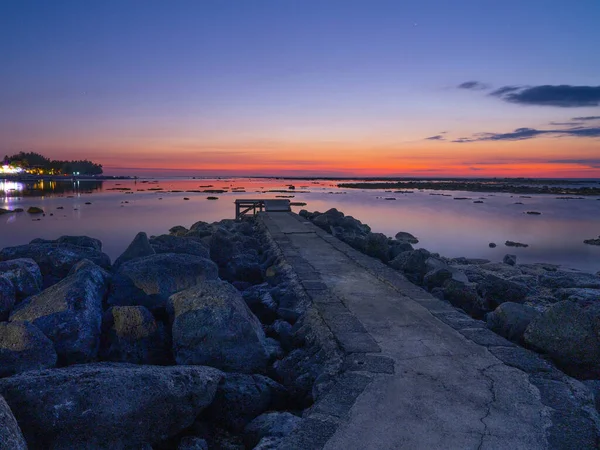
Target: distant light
10,169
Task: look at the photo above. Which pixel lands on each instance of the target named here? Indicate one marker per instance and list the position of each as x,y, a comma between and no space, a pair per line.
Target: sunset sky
301,87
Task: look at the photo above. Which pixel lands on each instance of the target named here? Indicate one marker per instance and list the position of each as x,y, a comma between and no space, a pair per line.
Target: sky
428,88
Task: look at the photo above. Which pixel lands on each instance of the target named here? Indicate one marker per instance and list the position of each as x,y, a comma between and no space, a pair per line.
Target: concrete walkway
429,385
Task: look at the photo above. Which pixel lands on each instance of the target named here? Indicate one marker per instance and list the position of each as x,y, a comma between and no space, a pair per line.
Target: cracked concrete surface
446,393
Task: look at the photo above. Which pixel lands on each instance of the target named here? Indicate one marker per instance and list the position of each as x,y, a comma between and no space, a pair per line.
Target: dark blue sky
219,81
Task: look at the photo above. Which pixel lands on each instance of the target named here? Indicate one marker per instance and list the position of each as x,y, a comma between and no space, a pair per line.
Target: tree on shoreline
32,161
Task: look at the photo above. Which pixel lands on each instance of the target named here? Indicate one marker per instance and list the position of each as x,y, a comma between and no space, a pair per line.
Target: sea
451,223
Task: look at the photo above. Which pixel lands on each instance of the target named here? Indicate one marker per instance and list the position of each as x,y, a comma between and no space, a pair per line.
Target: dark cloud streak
521,134
563,96
473,86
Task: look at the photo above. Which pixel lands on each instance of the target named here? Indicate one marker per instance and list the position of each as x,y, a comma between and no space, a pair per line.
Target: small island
31,163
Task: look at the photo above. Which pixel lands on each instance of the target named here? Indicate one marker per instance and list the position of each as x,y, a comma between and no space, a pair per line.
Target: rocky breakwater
549,309
196,339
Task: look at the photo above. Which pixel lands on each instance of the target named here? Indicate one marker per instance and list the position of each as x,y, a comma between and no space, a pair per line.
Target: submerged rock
24,347
69,313
107,405
149,281
212,325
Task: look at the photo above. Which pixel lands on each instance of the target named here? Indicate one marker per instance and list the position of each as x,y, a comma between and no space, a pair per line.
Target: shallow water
450,227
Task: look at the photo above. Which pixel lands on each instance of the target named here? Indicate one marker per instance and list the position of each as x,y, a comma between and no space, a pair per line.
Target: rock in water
11,437
25,275
24,347
511,260
139,247
55,259
570,334
69,313
510,320
108,405
212,325
149,281
130,334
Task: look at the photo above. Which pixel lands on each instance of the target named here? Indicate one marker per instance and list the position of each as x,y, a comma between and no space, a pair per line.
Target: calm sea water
450,227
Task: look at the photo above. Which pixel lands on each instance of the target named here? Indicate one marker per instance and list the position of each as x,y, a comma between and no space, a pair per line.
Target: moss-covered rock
24,347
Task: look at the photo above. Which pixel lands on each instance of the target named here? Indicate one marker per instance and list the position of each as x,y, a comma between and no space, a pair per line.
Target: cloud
521,134
437,137
566,124
473,86
593,163
564,95
586,118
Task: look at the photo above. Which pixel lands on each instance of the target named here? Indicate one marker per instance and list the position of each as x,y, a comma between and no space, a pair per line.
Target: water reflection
41,187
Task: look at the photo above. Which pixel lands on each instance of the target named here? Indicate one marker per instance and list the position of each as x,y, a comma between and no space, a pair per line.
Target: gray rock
243,267
139,247
510,320
7,297
269,443
412,263
213,325
262,305
81,241
349,223
403,236
25,276
192,443
55,259
436,278
24,347
377,245
569,334
11,437
108,405
511,260
562,279
240,398
496,290
585,296
272,424
149,281
464,296
274,349
594,387
174,244
130,334
178,230
69,314
283,331
397,247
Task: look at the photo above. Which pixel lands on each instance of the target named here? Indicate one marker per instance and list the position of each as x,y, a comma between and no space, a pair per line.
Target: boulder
269,443
7,297
412,263
349,223
69,314
108,405
192,443
511,260
464,296
81,241
510,320
11,437
150,280
496,290
55,259
397,247
24,347
212,325
262,304
240,398
377,245
436,278
166,243
585,296
563,279
403,236
570,335
272,424
139,247
25,276
243,267
130,334
178,230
